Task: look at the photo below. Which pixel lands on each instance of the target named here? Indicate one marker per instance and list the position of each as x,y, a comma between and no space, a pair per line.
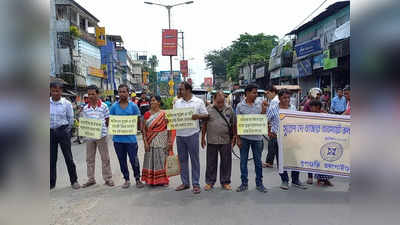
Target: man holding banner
244,142
188,138
126,145
273,132
97,110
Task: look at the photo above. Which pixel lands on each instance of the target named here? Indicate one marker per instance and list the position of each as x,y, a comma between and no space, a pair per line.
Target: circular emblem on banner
331,151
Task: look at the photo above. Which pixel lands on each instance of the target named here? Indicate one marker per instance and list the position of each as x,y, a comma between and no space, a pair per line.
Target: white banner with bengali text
315,143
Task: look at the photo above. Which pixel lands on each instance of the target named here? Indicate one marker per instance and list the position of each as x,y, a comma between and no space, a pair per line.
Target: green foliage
74,31
245,50
167,103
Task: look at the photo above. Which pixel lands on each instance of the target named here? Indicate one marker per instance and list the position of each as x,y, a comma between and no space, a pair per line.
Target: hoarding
169,42
184,68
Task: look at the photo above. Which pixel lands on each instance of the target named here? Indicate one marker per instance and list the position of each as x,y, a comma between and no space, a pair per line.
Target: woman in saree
158,142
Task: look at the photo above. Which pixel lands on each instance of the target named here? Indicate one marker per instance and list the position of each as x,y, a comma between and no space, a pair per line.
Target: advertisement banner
304,67
315,142
184,68
208,82
328,62
90,128
169,42
252,124
180,118
101,36
96,72
122,125
307,48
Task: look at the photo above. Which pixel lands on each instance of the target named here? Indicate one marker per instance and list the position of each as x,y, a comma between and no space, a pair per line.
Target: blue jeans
256,148
128,149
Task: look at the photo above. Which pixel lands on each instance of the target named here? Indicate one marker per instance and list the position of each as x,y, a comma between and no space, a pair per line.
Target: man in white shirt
188,139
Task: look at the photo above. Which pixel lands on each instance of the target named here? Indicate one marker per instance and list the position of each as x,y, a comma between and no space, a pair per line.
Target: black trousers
60,136
225,167
272,151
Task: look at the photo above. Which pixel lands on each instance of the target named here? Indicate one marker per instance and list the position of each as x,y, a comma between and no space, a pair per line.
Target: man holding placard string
96,109
126,145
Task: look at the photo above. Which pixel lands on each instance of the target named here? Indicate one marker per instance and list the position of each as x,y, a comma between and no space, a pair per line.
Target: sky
207,24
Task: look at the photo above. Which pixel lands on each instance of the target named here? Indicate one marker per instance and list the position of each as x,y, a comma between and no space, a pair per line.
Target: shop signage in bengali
328,62
307,48
184,67
304,67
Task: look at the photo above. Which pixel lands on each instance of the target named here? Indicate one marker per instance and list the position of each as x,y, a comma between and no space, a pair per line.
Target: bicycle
236,152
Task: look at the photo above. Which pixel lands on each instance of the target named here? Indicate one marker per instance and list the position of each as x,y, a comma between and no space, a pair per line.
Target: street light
169,7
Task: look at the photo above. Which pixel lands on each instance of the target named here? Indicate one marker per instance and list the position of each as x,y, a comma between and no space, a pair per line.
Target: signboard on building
318,61
101,36
169,42
304,67
96,72
260,72
307,48
184,67
328,62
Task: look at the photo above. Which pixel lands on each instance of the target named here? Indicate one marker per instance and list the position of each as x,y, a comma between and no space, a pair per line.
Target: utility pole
183,50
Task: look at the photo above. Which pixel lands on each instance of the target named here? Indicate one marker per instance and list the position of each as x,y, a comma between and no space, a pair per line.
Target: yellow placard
90,128
252,124
122,125
180,118
316,143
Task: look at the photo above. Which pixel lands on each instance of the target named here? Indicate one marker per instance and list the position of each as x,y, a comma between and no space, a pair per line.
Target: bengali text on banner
180,118
90,128
315,142
122,125
252,124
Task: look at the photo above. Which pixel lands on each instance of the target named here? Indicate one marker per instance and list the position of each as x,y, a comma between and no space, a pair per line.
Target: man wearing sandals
220,138
96,109
187,140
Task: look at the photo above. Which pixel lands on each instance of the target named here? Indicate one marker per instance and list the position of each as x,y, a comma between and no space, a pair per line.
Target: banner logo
331,151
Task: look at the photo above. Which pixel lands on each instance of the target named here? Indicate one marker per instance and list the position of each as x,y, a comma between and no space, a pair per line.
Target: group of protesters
217,133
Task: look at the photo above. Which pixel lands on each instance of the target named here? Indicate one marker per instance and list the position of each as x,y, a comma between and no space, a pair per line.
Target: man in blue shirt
126,144
339,103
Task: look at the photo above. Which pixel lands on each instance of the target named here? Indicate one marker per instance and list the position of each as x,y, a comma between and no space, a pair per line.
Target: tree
246,50
153,61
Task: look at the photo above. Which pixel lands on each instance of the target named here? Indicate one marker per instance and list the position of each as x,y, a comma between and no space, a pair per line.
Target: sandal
208,187
182,187
196,190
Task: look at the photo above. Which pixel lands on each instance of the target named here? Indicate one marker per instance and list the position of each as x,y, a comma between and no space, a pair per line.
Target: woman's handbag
172,166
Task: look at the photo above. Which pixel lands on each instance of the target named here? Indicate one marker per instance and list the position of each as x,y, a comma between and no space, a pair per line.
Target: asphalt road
102,205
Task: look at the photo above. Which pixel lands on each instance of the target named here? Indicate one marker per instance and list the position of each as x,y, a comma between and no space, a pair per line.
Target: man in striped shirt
273,132
96,109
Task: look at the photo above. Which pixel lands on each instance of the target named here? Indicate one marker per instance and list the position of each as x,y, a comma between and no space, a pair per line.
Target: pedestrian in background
244,142
339,104
272,98
96,109
61,122
126,145
188,139
346,92
221,137
158,144
273,132
315,107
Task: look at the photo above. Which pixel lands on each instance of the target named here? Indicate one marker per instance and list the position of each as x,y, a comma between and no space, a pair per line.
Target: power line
310,14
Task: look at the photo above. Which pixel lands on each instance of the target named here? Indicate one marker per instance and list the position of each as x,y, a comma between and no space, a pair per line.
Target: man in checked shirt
61,122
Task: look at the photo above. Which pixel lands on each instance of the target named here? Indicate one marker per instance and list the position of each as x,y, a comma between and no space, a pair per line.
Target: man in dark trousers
61,122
